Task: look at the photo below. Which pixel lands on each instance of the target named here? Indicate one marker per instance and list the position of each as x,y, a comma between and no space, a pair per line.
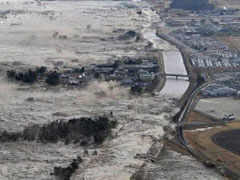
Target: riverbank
162,80
186,57
173,62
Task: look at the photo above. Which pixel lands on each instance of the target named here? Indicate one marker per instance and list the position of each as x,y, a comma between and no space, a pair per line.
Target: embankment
186,56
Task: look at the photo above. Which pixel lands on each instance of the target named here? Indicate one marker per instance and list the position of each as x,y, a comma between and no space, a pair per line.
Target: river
173,61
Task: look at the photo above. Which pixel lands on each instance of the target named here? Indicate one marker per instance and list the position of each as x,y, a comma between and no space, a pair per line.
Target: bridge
173,75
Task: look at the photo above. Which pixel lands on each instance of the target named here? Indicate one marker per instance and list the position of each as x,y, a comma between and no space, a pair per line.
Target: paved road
181,119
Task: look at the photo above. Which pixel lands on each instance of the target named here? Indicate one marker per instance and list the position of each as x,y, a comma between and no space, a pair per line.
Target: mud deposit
172,165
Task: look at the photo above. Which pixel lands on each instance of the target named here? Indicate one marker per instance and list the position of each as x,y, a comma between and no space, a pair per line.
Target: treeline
84,130
194,5
129,35
33,75
29,76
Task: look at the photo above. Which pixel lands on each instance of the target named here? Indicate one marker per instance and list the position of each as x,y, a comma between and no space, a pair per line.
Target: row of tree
33,75
84,130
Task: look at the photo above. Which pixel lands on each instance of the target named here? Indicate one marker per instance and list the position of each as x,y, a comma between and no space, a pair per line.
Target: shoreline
162,81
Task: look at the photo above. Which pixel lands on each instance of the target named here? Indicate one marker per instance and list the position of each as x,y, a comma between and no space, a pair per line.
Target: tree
30,76
27,77
136,89
53,78
41,70
11,74
200,80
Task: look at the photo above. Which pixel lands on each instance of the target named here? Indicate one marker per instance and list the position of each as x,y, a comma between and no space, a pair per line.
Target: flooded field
172,165
62,34
27,39
87,31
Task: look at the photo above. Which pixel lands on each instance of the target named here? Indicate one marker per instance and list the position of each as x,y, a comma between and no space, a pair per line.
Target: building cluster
198,30
129,72
76,76
218,90
141,74
228,24
213,62
211,52
230,87
187,21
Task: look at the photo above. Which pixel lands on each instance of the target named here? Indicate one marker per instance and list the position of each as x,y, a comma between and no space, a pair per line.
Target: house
127,82
225,91
238,94
145,76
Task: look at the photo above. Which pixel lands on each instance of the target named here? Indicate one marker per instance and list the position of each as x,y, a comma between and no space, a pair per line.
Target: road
184,113
189,104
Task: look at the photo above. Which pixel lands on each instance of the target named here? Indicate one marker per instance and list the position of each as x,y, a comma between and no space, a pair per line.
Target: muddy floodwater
66,34
87,30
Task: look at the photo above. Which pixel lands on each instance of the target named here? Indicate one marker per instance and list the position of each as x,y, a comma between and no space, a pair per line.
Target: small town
139,74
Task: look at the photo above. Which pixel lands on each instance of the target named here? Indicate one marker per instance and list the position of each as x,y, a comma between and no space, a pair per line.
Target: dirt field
202,143
232,42
226,3
197,117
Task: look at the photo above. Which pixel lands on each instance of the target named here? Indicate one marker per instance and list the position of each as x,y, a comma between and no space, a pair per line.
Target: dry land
226,3
216,142
194,116
233,42
202,142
